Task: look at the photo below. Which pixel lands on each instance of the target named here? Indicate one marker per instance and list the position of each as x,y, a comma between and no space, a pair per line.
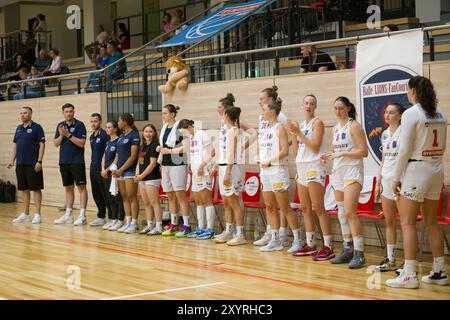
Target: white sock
268,229
296,234
133,221
69,212
150,223
127,219
201,215
358,242
37,213
228,227
327,241
210,216
240,230
186,220
83,212
283,232
275,234
410,266
310,239
391,252
159,224
174,218
438,264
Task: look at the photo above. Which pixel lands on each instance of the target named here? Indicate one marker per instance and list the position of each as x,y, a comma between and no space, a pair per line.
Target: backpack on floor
10,192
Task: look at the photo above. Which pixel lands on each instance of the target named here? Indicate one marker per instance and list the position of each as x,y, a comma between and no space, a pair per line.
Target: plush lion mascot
178,75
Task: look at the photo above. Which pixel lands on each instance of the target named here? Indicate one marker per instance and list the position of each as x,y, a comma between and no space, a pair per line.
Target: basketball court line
217,269
164,291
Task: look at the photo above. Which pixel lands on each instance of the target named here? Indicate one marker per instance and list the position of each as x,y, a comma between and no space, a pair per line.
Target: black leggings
115,202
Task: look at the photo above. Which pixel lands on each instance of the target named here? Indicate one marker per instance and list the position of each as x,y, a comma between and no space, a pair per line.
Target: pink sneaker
325,254
305,251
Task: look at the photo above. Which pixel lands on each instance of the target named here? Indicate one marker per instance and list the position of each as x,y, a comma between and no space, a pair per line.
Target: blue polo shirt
27,140
124,148
98,145
110,152
69,153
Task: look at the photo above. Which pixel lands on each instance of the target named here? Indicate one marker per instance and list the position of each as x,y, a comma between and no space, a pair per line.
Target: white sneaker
109,224
265,239
404,280
132,228
296,245
273,245
97,222
223,237
64,219
36,219
155,231
116,226
440,278
237,240
284,241
147,229
22,218
80,220
124,227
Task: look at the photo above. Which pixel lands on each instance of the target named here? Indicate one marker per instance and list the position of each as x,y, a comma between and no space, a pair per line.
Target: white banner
383,68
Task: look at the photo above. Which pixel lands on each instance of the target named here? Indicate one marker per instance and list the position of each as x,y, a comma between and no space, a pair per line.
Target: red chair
252,201
445,220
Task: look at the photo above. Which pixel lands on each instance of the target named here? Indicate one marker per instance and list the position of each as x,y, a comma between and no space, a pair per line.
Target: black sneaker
386,265
440,278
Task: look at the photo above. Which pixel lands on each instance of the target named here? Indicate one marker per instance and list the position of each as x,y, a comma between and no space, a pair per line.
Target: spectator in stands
177,18
55,67
116,71
40,30
167,23
100,29
124,37
390,28
30,89
94,78
20,63
13,87
43,61
320,61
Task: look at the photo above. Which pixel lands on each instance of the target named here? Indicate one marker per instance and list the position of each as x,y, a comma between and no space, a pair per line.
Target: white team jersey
226,135
223,143
304,153
269,145
431,135
342,141
263,124
390,145
198,149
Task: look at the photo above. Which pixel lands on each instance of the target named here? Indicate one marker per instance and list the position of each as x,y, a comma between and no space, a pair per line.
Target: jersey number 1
435,142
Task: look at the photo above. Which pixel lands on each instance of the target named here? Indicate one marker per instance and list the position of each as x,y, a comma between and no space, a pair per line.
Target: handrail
119,60
24,31
304,44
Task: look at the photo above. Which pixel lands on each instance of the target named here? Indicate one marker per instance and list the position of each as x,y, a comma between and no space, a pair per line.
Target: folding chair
252,200
445,220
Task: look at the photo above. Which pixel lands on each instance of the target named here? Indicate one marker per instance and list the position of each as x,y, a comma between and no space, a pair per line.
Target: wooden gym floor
66,262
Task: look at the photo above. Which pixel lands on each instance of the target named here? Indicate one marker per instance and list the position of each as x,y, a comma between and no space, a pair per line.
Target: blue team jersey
124,148
27,140
70,153
98,145
110,152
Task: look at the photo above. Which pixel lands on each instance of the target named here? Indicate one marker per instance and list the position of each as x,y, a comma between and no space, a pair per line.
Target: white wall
428,10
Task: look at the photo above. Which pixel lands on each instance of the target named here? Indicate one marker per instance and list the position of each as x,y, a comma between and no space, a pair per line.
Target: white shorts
422,181
386,188
174,178
308,172
237,180
201,182
345,176
275,181
154,183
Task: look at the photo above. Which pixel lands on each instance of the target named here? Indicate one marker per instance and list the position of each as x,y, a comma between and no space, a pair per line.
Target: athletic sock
69,212
391,252
174,218
240,230
327,240
275,234
201,214
296,234
83,212
310,239
348,244
127,219
358,242
438,264
158,224
210,216
410,266
133,221
186,220
150,223
228,227
283,232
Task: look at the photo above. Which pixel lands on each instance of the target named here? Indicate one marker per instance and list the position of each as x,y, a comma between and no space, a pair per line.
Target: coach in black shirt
98,140
70,137
320,61
28,150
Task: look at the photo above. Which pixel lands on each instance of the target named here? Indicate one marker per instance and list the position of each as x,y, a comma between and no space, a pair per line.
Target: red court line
212,267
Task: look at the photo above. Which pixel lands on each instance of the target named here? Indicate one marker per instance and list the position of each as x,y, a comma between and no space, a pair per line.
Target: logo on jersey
97,140
343,135
377,90
29,130
112,149
72,130
125,141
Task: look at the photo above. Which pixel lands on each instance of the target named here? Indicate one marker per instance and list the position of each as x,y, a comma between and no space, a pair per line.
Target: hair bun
275,88
177,108
230,97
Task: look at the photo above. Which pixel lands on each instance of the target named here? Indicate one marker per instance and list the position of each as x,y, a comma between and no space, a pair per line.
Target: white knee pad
345,228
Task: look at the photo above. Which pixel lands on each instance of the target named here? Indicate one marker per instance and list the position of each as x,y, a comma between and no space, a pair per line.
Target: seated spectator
124,37
320,61
390,28
14,87
100,29
55,67
30,89
94,78
20,63
43,61
116,71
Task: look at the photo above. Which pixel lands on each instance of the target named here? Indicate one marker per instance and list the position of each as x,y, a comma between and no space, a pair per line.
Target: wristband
39,161
70,136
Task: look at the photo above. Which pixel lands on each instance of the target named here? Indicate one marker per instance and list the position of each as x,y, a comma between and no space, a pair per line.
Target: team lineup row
411,175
